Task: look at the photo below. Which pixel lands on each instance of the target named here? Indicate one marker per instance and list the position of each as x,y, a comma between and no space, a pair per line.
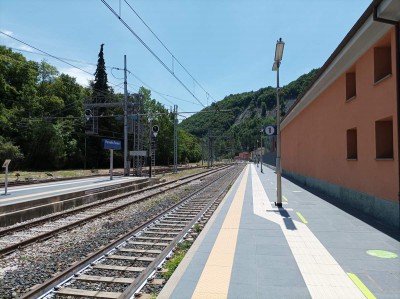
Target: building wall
314,143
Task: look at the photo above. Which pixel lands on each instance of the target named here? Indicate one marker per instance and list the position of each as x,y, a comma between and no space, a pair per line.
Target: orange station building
342,135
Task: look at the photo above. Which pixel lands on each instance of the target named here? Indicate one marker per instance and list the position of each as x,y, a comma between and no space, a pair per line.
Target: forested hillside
42,123
235,121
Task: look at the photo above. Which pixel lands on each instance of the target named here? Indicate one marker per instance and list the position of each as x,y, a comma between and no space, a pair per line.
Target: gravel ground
34,264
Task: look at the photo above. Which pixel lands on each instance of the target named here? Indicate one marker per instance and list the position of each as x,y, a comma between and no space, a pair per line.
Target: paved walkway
308,249
40,190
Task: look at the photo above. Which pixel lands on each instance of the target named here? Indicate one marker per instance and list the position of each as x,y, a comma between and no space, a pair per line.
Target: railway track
130,265
53,179
15,237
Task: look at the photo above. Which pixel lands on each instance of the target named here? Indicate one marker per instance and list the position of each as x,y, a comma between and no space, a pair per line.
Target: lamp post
256,152
261,150
277,62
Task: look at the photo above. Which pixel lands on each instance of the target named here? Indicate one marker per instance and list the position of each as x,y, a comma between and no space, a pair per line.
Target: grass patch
197,228
179,254
184,245
173,263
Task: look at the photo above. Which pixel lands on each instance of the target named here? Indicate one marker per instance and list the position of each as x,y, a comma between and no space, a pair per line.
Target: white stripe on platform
322,274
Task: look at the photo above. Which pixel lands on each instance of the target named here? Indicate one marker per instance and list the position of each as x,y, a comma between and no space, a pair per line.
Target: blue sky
227,45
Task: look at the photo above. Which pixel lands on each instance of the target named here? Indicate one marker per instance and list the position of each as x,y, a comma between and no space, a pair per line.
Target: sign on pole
111,144
138,153
270,130
5,165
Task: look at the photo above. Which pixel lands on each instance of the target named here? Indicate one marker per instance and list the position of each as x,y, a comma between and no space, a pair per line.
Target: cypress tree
100,86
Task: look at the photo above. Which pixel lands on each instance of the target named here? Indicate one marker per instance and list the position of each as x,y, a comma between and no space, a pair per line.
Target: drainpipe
397,38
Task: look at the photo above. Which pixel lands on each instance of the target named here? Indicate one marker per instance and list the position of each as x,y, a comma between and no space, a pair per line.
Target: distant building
342,135
244,156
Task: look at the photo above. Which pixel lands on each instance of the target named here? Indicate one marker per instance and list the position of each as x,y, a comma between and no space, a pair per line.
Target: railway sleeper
163,229
148,243
118,268
151,251
87,293
131,258
92,278
154,238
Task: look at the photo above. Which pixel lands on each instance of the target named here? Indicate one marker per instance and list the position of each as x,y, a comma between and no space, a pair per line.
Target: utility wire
151,51
160,93
111,70
56,111
173,56
48,54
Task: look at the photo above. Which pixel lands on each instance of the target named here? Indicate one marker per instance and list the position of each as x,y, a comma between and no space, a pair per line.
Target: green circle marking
382,254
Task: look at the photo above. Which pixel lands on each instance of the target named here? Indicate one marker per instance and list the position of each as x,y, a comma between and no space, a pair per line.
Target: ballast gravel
36,263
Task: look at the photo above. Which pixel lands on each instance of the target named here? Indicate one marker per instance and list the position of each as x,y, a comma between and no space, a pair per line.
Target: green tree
100,84
263,109
10,151
47,147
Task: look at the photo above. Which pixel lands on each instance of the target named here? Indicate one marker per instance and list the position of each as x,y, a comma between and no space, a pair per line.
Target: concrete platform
28,202
308,249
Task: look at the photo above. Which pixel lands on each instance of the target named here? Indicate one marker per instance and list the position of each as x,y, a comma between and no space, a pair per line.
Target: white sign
138,153
6,163
270,130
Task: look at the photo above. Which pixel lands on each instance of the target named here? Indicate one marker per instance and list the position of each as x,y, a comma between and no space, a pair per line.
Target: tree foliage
100,84
42,123
238,118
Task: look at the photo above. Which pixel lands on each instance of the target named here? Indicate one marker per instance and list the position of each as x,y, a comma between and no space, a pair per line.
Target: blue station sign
111,144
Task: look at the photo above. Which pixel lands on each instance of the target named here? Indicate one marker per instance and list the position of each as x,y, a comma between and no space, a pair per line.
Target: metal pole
111,163
257,154
126,165
278,141
84,164
175,138
6,181
261,151
150,125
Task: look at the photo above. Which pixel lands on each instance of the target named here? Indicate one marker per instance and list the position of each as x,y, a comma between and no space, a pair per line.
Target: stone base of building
385,211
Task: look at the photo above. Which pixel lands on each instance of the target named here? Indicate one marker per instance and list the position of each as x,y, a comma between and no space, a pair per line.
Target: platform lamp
277,62
261,150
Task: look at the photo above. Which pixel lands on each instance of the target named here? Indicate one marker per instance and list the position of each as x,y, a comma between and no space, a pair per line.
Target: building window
352,144
350,85
384,138
382,62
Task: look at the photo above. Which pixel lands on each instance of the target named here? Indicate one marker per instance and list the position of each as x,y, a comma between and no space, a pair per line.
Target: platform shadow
393,233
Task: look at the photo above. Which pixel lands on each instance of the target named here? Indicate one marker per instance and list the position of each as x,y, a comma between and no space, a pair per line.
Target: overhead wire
71,105
31,67
166,48
64,60
151,51
111,70
160,93
48,54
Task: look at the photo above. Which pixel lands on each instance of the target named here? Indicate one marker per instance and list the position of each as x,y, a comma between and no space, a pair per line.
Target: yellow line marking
284,198
363,288
215,278
302,218
52,191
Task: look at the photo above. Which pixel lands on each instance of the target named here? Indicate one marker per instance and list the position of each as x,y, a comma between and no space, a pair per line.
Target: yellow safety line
34,195
302,217
284,198
363,288
215,278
